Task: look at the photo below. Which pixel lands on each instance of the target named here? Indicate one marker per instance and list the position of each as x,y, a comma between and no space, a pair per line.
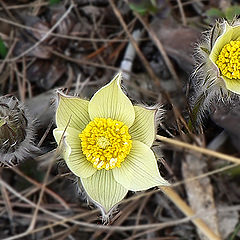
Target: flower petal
72,108
222,40
143,128
111,102
65,149
139,171
236,33
232,84
102,188
72,153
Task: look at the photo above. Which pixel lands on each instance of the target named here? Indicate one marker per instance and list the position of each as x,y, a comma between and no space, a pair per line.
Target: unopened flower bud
16,132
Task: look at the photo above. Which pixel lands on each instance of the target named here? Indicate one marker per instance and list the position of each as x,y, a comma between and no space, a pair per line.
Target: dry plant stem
199,149
6,10
219,170
13,43
160,48
146,63
125,214
135,45
34,218
70,37
39,186
95,227
25,6
44,37
6,200
180,6
140,210
90,225
171,194
168,63
45,134
141,195
83,62
65,219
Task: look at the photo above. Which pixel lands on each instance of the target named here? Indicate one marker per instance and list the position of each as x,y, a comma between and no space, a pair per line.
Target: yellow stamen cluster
105,143
229,60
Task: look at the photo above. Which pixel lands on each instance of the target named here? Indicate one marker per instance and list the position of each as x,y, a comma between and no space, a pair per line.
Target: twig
82,61
219,170
43,188
44,37
39,186
45,134
140,210
67,36
160,48
199,149
90,225
29,5
199,223
141,195
176,198
8,55
6,201
135,45
180,6
146,63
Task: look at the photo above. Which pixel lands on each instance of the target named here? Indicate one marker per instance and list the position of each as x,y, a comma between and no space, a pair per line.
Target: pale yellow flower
217,69
225,55
107,142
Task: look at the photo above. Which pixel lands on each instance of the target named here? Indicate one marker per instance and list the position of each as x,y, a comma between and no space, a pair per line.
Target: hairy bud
16,132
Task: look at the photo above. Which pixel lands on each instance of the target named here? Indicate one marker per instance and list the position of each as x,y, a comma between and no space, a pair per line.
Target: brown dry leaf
39,52
4,76
67,24
93,11
46,73
5,28
227,116
43,108
227,221
28,38
200,191
64,28
43,26
177,40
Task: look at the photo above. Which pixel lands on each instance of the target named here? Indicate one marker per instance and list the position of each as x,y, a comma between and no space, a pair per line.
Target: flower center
105,143
229,60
